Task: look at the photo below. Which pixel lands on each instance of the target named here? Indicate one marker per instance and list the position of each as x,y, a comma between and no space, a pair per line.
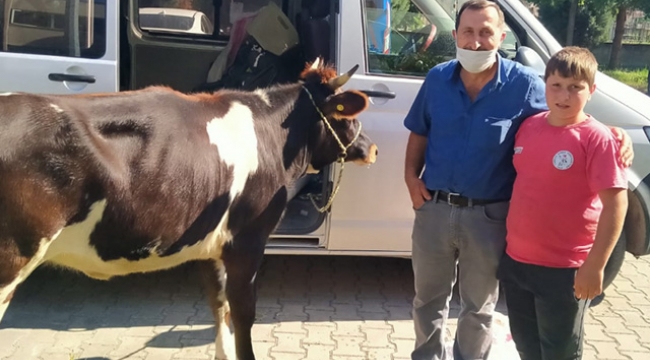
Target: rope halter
340,159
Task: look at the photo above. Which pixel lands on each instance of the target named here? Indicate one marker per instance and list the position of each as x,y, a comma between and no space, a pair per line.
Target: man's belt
459,200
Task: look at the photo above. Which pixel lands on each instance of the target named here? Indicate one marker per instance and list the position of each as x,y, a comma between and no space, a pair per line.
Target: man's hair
480,5
573,62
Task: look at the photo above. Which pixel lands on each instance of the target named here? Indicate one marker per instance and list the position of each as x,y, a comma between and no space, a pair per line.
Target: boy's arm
589,278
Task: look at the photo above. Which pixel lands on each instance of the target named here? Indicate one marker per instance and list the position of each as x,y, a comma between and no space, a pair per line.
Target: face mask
475,61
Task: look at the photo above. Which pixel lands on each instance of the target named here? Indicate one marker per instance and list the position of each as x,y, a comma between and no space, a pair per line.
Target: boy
566,214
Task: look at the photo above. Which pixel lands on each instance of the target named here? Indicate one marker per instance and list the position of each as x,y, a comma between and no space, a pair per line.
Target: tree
621,7
586,26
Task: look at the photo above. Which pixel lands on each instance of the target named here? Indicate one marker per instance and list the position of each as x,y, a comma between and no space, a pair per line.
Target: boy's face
567,97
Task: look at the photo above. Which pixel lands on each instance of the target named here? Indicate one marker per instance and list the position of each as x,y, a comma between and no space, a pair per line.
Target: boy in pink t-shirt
566,214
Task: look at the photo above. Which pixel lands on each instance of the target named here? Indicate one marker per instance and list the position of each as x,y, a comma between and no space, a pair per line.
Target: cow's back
127,177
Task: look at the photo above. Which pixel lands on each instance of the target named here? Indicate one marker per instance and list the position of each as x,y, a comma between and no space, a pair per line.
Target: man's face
566,97
479,30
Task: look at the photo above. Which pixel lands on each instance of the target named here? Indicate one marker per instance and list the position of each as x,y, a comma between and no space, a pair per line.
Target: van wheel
611,269
614,263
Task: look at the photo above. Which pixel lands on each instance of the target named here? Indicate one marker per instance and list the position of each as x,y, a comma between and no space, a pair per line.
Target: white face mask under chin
476,61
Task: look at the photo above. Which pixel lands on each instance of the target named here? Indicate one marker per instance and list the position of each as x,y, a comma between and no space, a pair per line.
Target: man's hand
626,153
588,282
413,164
418,192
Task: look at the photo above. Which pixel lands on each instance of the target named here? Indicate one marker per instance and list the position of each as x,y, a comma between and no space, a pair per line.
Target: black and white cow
115,184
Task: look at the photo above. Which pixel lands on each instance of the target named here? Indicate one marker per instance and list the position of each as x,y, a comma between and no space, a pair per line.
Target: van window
75,28
407,37
197,17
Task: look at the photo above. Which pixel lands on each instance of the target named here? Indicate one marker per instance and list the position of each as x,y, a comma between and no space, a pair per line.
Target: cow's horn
339,81
316,63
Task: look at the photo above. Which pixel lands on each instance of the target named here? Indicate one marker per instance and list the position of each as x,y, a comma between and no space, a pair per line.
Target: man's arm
413,164
625,152
589,279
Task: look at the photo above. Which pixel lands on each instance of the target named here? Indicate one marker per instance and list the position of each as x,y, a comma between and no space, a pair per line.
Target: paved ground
308,308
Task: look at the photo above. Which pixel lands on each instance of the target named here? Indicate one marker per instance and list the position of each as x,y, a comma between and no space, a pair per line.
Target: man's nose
474,44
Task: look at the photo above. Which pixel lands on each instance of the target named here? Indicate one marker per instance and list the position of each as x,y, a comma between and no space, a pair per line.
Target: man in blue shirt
463,123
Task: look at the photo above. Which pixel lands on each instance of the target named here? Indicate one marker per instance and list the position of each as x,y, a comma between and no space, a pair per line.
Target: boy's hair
573,62
480,5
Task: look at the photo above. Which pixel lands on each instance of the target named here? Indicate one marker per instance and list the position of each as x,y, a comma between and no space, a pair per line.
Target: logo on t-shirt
563,160
518,149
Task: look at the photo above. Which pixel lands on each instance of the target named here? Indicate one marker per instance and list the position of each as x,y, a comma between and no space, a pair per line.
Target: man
462,127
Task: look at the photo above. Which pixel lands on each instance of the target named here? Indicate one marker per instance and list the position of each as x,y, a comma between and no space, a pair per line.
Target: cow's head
338,133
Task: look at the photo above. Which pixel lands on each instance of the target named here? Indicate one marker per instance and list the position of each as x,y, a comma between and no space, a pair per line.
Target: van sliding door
58,47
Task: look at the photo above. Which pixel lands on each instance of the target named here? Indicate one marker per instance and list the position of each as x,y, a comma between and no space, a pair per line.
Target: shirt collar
499,78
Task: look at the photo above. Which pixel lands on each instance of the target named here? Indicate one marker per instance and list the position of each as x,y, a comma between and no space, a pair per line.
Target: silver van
84,46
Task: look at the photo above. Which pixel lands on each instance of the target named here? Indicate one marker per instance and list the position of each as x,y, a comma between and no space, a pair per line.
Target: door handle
379,94
71,77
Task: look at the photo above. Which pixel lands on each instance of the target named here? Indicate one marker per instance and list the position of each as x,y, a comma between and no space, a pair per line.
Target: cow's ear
346,105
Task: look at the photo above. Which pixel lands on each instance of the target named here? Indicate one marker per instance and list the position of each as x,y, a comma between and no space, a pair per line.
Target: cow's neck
292,116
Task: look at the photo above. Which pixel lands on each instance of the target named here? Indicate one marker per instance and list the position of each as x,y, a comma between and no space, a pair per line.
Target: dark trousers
546,319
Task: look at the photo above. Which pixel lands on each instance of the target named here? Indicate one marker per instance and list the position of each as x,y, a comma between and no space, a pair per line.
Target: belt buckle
449,195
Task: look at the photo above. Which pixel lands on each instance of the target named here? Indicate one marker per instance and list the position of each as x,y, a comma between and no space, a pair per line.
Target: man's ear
346,105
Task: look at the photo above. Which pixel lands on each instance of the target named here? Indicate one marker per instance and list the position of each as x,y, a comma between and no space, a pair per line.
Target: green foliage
637,79
591,21
416,64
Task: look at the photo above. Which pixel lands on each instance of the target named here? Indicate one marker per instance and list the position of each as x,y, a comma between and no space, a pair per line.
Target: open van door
58,47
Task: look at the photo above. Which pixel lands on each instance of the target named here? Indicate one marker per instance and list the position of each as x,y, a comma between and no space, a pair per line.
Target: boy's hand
588,282
626,153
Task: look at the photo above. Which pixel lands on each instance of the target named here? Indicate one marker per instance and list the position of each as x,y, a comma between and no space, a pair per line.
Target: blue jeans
444,237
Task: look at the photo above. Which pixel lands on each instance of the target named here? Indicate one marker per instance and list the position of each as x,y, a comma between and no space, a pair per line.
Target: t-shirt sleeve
418,120
604,169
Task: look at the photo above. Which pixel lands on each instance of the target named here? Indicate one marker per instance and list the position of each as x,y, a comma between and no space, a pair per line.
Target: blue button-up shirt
470,144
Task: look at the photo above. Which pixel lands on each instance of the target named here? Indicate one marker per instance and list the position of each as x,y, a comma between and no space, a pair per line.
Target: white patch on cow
72,249
23,273
6,94
56,108
225,341
264,96
234,136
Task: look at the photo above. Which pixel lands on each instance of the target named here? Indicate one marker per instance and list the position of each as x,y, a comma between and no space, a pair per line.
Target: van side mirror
529,57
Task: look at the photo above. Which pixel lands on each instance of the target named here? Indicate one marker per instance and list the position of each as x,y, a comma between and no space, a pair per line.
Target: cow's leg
214,278
18,259
242,259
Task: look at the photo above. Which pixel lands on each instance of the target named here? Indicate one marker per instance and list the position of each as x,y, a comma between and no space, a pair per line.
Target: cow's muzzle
370,159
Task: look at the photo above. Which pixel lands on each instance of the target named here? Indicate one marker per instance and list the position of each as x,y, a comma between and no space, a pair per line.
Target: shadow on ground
290,288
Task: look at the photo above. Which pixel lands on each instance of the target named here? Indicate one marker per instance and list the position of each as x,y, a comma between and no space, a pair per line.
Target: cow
144,180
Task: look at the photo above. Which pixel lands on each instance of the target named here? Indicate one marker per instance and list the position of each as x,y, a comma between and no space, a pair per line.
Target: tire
614,263
611,269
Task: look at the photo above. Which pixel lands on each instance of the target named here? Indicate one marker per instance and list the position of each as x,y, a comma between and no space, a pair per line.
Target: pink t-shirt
555,206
